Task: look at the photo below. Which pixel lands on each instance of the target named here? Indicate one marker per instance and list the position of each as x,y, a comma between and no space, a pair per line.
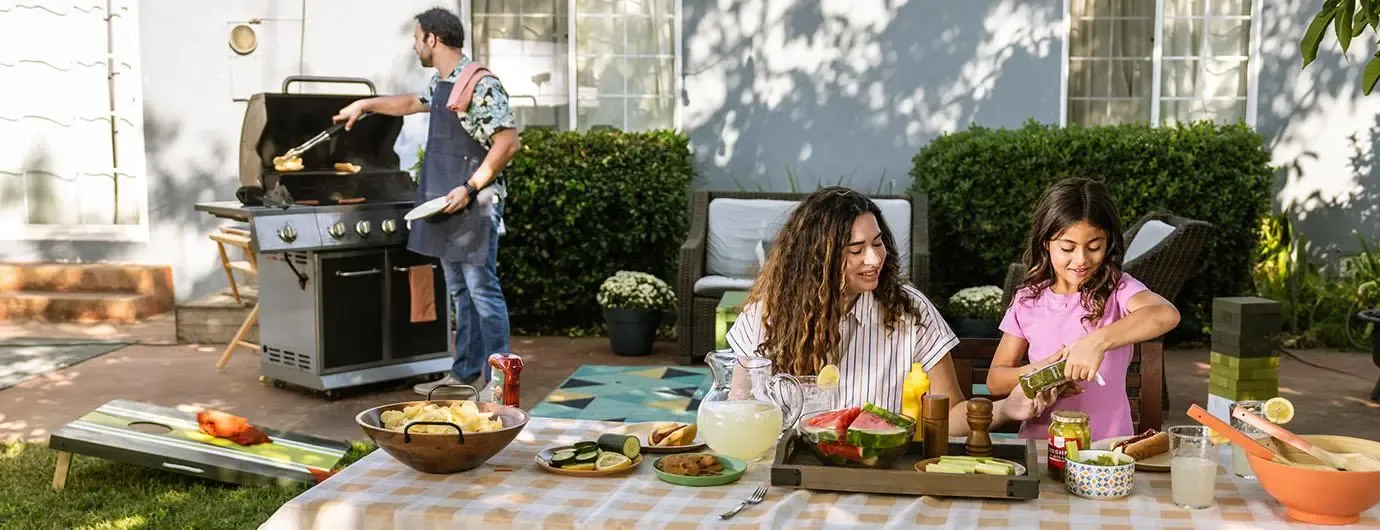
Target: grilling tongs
296,152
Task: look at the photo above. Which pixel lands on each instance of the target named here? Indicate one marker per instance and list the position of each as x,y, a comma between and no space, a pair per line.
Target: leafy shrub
977,302
982,184
636,290
1319,304
582,206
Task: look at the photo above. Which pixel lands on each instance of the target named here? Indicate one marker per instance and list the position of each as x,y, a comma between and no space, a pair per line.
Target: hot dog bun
1149,447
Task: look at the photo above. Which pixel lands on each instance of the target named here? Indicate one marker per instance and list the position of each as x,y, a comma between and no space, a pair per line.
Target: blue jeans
481,313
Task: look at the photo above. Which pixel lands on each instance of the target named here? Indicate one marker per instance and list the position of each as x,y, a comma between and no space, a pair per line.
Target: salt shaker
935,410
979,420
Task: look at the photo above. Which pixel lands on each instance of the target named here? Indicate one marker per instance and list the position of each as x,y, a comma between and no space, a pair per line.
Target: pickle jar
1044,379
1066,427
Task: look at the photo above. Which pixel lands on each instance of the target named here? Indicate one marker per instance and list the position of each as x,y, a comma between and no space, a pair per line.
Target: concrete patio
1330,389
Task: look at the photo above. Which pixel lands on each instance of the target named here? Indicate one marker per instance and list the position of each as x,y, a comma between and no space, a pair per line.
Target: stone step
88,278
85,307
214,318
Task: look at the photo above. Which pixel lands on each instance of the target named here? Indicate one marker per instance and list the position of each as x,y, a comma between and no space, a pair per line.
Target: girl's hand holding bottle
1084,358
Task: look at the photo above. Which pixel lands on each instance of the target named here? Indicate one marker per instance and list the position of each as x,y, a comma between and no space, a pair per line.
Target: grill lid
276,122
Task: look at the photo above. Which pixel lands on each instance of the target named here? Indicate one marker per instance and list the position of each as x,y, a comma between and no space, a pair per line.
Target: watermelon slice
873,431
842,450
891,417
832,426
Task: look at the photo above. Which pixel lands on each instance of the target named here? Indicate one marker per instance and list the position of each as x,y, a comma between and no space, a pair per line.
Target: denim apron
452,157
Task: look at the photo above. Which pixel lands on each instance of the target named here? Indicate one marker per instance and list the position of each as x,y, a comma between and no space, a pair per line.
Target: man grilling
466,149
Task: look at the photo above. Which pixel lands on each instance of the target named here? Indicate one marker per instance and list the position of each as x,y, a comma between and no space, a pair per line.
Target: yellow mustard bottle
917,383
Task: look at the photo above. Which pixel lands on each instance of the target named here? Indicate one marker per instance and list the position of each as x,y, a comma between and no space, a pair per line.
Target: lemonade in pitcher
741,429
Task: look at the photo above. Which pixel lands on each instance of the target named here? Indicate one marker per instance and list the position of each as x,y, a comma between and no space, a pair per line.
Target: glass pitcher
745,411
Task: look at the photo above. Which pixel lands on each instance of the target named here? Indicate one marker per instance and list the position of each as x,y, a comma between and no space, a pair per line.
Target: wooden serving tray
796,467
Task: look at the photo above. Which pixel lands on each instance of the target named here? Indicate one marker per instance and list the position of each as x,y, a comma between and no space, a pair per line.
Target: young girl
831,292
1076,303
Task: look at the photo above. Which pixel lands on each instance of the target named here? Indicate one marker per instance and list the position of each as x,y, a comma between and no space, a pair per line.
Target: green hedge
982,184
581,207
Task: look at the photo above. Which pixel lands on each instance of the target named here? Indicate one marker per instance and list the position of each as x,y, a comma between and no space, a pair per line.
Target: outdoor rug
24,358
628,393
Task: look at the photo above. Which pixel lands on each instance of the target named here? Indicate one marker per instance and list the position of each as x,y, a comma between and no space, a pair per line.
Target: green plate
733,470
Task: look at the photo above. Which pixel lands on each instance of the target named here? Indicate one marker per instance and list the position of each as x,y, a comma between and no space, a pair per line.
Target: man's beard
425,60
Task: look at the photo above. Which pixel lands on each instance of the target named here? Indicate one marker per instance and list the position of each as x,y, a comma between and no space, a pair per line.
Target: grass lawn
102,494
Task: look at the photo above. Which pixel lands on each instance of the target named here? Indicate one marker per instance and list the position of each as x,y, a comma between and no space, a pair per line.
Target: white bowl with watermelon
868,436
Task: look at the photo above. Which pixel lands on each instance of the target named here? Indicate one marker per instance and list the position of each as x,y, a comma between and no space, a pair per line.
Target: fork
757,497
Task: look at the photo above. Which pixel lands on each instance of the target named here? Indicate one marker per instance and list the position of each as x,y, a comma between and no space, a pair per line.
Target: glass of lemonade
1192,468
745,429
1240,465
817,397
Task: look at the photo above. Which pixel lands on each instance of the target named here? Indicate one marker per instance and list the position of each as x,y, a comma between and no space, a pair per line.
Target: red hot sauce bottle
504,386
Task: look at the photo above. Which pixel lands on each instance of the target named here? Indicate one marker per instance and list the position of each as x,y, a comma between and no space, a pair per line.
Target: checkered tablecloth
511,491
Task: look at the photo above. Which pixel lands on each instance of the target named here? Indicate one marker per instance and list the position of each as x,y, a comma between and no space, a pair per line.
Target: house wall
850,90
1321,130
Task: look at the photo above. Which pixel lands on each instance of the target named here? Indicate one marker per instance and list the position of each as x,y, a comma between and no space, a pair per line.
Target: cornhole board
171,440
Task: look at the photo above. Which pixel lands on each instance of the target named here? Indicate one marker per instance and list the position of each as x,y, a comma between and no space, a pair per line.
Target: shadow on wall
1303,115
833,90
36,194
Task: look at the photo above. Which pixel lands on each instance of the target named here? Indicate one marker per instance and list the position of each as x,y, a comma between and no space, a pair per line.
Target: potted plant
633,303
975,311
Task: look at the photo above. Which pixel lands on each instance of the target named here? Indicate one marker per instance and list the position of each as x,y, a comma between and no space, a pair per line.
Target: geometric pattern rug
628,393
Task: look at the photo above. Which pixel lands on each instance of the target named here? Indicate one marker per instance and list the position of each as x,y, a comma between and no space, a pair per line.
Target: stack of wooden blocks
1245,361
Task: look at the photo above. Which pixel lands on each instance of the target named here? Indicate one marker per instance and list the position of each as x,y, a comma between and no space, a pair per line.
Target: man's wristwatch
470,190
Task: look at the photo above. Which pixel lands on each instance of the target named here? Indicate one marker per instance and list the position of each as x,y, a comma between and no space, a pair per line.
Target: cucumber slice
563,457
995,468
581,446
628,446
587,456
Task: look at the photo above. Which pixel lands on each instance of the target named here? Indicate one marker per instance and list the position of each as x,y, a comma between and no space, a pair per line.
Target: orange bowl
1320,496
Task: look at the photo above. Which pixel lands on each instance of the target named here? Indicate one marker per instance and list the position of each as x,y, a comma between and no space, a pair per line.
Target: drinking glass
1192,468
816,397
1240,465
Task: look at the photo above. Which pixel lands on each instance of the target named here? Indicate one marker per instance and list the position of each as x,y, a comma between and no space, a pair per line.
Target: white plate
426,209
644,430
1159,462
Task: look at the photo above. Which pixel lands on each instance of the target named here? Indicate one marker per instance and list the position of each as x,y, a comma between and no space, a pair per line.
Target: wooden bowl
1321,496
443,453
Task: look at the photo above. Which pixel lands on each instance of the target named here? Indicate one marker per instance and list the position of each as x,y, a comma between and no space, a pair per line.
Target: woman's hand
1018,407
1085,358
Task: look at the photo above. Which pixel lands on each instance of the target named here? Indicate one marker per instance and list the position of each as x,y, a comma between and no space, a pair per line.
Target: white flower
982,302
636,290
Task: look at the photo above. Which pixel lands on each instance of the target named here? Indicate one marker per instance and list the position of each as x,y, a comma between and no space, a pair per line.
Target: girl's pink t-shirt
1050,321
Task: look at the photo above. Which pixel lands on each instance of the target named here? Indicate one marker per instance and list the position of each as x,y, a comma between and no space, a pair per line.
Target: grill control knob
362,228
287,233
336,230
389,226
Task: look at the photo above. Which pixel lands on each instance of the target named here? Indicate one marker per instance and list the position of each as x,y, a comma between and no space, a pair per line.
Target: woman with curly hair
831,292
1076,303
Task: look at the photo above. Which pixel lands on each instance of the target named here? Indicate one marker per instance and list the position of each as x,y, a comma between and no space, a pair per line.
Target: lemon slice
1279,410
1215,438
828,376
609,461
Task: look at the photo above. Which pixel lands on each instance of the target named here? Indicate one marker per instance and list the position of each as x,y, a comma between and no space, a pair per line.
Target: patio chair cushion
715,286
1150,234
736,228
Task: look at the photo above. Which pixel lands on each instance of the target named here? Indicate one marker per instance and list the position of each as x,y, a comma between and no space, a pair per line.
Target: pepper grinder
979,420
935,409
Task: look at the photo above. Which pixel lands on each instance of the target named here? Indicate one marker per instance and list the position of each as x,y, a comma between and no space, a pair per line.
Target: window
623,65
1199,67
72,166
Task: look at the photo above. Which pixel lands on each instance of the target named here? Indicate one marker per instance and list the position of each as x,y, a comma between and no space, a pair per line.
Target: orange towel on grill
231,427
423,286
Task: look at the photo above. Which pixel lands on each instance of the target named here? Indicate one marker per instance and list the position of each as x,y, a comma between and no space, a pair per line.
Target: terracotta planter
632,331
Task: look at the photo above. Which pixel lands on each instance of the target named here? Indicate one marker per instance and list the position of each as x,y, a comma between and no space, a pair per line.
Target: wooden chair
973,358
249,266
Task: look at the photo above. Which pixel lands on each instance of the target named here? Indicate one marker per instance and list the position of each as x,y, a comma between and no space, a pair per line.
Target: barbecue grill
334,295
